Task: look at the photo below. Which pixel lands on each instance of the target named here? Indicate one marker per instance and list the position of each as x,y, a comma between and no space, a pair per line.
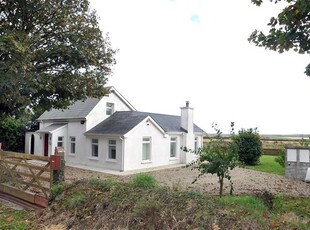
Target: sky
173,51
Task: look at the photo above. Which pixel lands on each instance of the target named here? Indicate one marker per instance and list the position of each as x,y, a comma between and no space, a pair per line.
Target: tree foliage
12,134
52,53
218,157
280,159
250,146
289,30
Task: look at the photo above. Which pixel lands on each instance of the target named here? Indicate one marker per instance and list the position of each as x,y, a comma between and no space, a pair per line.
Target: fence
27,177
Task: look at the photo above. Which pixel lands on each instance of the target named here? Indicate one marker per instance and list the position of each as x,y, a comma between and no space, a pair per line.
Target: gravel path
245,181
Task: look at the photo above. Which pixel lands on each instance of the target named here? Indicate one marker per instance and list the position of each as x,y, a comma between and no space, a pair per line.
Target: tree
52,53
250,146
12,134
218,157
289,30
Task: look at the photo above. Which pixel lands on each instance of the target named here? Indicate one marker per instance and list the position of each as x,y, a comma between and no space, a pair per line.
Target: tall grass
144,180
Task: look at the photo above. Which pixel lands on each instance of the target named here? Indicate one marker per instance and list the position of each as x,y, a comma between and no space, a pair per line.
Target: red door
46,144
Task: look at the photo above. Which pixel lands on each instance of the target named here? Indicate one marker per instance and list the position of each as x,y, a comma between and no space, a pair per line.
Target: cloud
195,18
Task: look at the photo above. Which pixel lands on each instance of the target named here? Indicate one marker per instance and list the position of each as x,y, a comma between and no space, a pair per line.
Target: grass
144,180
144,204
269,165
110,204
14,219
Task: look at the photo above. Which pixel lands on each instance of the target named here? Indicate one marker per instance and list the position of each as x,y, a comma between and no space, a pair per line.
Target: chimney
187,118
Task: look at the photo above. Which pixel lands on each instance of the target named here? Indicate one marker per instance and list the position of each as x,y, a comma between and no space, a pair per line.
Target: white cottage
109,133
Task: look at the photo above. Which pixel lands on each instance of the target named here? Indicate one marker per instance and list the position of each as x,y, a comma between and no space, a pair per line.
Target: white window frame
111,147
72,143
147,141
94,148
109,108
60,141
173,146
196,144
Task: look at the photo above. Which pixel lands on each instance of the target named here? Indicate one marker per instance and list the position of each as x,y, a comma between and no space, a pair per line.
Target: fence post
58,166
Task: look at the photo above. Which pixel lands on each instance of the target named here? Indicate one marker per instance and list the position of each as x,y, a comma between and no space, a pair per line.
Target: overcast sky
172,51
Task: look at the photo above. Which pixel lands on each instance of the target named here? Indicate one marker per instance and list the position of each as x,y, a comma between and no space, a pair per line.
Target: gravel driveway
245,181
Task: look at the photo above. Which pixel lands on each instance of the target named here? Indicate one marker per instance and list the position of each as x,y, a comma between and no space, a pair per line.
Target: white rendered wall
84,158
62,132
37,143
98,113
77,130
160,148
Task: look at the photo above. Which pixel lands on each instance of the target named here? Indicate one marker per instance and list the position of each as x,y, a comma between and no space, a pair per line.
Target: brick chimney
187,120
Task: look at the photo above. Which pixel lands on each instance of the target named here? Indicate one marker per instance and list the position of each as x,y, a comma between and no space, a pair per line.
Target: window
112,149
110,108
146,148
94,147
173,146
72,145
196,143
60,142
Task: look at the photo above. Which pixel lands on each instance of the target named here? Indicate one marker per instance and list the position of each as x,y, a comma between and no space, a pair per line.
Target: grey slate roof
122,122
79,109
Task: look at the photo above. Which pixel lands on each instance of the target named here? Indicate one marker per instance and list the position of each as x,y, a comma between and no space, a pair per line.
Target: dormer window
110,108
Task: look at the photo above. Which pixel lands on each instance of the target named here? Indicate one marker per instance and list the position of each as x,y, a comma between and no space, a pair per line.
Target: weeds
76,201
56,190
144,181
141,204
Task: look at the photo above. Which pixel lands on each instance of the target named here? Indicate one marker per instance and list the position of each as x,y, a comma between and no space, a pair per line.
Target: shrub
218,157
250,146
144,180
281,157
12,133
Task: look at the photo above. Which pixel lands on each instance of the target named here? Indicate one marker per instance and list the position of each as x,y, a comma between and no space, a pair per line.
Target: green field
269,165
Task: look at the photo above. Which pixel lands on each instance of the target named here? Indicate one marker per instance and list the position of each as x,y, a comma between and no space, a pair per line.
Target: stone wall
297,162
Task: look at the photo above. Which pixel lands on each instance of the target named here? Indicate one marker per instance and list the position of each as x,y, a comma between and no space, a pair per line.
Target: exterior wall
75,129
37,143
54,139
160,147
189,143
84,158
98,114
297,162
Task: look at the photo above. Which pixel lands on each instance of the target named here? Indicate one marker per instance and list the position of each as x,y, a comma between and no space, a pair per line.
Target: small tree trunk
221,181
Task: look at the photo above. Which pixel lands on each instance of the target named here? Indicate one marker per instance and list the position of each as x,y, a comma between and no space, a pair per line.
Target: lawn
269,165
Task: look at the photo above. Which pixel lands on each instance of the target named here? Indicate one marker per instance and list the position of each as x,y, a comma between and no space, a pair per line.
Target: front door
46,144
32,144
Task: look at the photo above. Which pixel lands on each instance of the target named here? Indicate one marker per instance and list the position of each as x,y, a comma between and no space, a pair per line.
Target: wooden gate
26,176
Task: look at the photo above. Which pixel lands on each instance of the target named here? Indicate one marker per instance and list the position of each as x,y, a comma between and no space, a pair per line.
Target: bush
250,146
281,157
12,134
144,180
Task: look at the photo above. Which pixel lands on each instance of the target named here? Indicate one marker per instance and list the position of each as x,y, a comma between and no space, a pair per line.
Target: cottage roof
79,109
122,122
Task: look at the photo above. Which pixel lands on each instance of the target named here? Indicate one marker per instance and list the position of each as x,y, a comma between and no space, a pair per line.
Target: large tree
52,53
289,30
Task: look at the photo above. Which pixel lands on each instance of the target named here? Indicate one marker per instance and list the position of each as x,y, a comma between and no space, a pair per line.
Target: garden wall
297,162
